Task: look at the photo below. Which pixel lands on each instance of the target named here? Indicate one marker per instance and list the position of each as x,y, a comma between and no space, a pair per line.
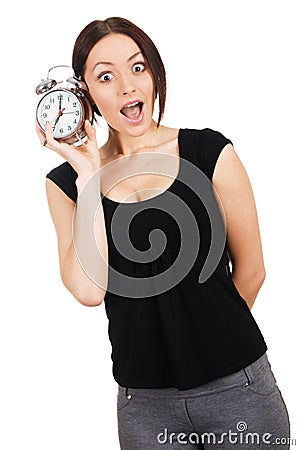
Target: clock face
63,110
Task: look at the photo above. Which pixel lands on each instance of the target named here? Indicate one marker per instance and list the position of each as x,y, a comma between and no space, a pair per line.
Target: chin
137,130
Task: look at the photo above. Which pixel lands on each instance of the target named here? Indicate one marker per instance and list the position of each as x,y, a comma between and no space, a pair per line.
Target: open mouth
132,110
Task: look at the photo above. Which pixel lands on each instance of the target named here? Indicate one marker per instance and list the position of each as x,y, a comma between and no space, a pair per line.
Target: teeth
131,105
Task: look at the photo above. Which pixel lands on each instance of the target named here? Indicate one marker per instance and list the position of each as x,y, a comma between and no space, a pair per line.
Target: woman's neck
118,144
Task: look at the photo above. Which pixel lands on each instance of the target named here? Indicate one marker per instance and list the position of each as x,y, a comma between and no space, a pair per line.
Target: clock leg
76,134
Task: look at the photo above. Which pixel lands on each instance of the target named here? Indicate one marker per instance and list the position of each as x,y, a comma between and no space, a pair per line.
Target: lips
133,111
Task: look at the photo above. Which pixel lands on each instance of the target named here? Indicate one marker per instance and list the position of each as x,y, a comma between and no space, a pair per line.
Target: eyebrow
108,63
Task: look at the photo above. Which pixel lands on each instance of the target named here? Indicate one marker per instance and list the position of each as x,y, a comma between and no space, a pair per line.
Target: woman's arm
244,243
66,215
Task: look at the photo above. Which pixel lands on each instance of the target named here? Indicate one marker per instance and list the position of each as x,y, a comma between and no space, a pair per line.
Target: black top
185,332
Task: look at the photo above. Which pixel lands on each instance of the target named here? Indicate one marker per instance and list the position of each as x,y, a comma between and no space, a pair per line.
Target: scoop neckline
172,185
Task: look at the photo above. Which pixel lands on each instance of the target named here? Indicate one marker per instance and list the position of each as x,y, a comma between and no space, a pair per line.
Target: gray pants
244,410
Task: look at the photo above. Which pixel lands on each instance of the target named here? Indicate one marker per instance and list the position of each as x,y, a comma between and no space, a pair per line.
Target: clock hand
57,118
55,123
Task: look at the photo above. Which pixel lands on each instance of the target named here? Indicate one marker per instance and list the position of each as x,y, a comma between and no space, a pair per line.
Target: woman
188,356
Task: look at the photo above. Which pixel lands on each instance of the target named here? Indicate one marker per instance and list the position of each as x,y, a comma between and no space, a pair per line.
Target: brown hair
97,29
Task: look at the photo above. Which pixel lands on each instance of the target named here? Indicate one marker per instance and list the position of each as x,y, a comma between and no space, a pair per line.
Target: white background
232,66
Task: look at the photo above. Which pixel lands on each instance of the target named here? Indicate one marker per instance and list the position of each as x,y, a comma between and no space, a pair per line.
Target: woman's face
121,84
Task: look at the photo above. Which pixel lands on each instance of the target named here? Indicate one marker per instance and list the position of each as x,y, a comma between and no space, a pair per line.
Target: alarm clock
65,105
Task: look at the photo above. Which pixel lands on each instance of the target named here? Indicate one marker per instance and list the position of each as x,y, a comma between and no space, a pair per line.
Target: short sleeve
211,143
64,176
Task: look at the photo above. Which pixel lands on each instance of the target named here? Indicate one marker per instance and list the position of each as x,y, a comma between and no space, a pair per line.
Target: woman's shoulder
63,169
205,134
64,176
204,146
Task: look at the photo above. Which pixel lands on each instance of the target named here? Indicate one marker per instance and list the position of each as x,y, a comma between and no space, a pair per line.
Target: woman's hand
85,158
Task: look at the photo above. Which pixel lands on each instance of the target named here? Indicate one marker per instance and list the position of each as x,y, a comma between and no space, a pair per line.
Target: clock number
45,115
60,97
77,113
61,130
69,128
51,100
74,104
47,106
75,121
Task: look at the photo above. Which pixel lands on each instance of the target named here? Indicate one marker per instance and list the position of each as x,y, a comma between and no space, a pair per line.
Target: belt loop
126,393
248,378
250,374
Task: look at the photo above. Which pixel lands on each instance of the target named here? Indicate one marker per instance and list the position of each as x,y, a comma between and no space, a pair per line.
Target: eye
105,77
138,67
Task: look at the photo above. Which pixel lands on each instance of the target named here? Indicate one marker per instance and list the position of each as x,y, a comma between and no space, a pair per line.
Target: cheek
149,87
103,100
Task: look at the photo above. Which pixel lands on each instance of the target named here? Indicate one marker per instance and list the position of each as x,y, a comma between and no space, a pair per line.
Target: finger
65,150
90,132
52,143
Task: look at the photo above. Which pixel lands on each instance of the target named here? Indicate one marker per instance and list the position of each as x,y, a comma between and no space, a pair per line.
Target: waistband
249,372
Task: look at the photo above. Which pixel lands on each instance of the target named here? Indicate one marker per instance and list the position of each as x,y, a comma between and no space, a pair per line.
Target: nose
129,91
126,86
